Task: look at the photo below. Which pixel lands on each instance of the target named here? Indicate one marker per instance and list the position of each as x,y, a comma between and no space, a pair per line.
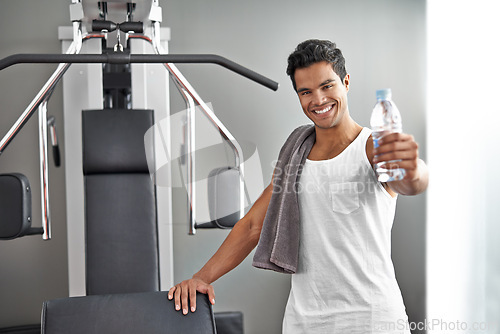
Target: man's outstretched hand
399,150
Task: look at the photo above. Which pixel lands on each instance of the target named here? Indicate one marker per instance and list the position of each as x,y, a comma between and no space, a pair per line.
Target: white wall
463,215
384,44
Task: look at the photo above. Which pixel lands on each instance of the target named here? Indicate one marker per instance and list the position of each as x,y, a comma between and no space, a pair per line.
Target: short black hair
314,51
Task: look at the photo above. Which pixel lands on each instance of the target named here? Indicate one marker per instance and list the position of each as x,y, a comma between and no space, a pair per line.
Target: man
343,279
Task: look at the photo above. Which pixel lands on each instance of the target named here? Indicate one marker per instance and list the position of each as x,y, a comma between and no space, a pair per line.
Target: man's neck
344,132
332,141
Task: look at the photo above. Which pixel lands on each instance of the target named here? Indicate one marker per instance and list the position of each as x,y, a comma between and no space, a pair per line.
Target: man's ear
346,81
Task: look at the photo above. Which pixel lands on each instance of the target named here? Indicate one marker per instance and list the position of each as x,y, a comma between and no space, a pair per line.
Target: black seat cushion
27,329
149,312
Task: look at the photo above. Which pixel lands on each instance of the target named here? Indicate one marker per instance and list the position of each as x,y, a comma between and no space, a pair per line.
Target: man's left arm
402,147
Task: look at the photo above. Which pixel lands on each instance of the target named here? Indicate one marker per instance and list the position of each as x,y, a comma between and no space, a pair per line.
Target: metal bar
191,159
44,170
39,98
185,86
40,102
190,141
124,58
48,88
190,134
231,141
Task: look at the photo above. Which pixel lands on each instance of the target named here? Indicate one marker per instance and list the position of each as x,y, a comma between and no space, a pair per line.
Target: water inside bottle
388,175
385,174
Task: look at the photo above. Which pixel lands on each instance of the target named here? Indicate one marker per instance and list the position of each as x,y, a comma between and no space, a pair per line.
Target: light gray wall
384,45
31,270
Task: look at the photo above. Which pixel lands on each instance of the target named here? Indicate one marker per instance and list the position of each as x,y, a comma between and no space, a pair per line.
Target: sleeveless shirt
345,281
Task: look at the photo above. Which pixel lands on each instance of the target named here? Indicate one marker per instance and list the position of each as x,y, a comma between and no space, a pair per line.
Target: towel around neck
278,247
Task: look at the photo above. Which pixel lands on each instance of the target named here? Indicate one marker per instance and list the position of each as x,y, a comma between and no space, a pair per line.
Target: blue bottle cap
383,94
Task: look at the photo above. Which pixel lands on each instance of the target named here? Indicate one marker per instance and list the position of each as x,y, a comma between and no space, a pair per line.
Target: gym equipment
100,16
118,255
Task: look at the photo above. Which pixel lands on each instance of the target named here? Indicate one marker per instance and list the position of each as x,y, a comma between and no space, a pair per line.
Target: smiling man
327,220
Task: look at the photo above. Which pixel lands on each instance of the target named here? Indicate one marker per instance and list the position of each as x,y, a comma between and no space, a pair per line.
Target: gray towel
278,247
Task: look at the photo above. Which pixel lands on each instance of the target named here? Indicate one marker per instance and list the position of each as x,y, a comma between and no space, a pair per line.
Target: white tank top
345,281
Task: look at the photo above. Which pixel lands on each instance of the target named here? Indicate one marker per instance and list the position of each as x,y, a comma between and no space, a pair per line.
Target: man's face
322,94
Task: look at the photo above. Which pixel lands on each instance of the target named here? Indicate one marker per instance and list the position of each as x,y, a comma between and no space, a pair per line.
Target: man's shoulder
305,129
304,134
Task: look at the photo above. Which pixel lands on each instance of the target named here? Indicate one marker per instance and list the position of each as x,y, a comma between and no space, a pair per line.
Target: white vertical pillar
82,89
150,90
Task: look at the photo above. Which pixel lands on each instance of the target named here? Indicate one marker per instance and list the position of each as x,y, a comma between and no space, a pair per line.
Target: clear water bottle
386,119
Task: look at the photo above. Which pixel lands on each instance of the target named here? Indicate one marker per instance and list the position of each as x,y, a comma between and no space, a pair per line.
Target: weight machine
117,33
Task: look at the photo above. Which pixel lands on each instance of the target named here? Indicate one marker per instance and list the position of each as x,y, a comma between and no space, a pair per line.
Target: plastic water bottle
386,119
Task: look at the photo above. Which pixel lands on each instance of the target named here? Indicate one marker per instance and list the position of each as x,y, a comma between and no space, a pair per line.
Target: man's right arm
242,239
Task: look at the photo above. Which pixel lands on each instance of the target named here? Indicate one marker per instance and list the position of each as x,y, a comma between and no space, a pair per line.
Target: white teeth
323,110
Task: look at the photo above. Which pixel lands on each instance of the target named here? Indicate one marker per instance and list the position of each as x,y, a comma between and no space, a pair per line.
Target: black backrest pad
113,141
120,203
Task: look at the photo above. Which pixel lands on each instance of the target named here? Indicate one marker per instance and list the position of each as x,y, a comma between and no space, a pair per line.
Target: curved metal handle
44,170
124,58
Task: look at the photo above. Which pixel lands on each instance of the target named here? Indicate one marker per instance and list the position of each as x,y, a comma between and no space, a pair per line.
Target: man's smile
322,110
